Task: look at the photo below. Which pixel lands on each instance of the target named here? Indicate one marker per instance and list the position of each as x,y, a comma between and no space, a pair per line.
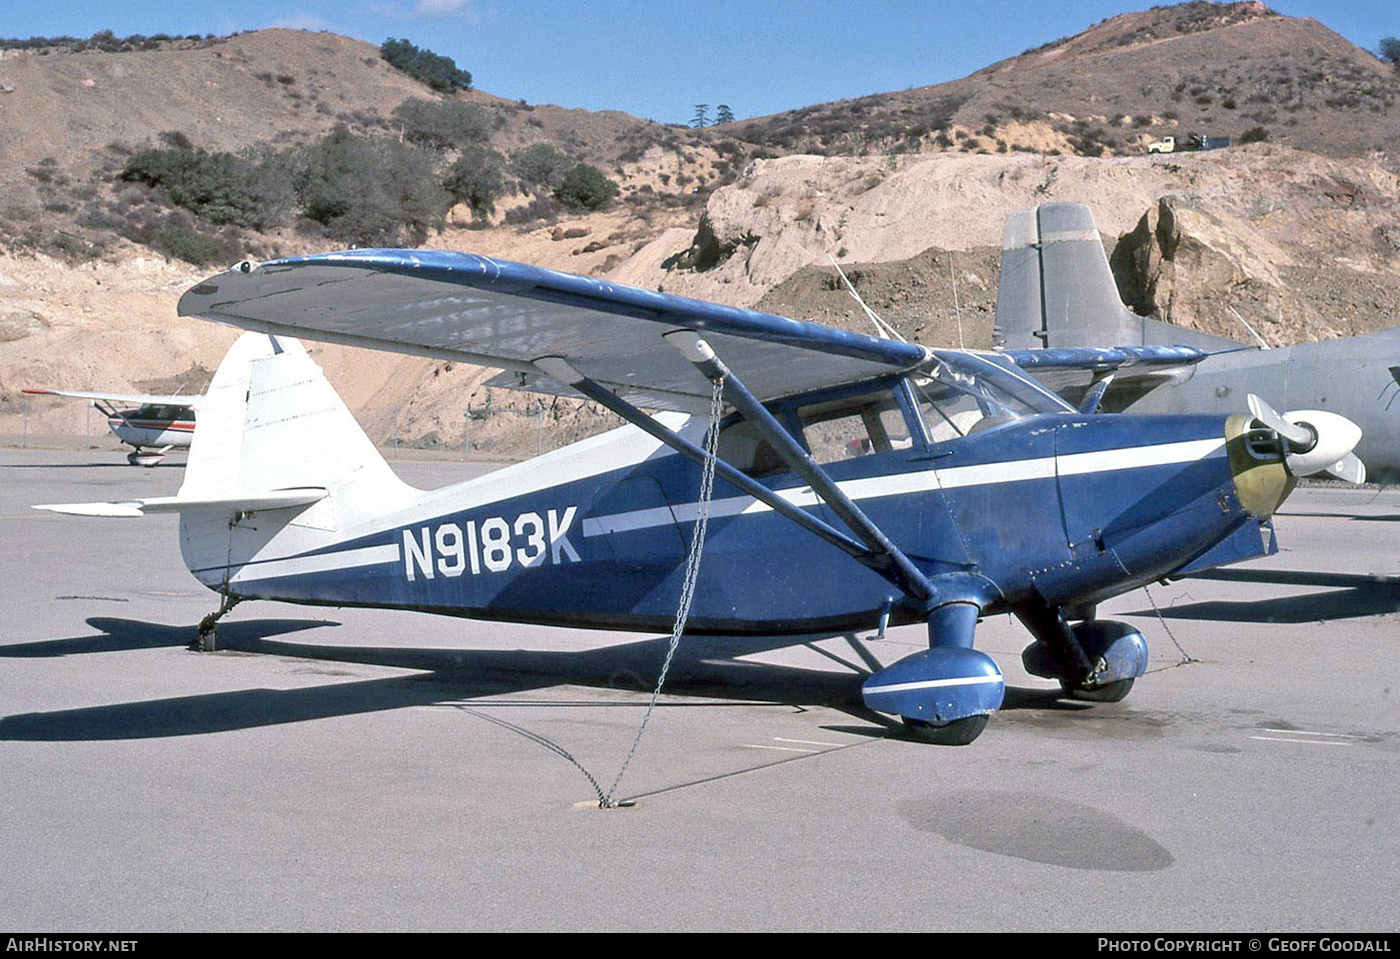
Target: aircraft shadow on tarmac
705,667
1348,596
122,465
1359,517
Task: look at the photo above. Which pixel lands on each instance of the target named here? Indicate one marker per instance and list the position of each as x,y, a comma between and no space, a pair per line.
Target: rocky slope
1300,246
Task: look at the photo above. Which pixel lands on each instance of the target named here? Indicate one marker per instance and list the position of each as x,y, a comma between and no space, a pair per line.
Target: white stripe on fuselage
319,563
873,487
922,481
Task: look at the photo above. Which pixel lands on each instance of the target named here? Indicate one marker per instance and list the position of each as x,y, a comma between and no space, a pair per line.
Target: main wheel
959,732
1107,693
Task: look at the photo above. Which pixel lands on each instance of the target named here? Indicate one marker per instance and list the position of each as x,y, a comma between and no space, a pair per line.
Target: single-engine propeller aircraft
151,425
857,480
1057,290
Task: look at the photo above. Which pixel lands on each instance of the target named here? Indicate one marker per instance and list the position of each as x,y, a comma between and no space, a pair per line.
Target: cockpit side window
964,393
948,413
854,426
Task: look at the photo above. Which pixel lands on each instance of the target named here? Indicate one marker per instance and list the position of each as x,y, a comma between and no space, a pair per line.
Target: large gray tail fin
1056,288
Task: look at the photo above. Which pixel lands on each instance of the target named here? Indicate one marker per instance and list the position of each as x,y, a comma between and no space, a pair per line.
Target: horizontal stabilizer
242,503
1103,359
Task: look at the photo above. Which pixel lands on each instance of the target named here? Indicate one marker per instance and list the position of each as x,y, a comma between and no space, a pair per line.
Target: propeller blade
1299,437
1349,468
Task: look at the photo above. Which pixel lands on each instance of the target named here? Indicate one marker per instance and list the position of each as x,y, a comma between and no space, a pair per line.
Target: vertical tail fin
269,422
1057,290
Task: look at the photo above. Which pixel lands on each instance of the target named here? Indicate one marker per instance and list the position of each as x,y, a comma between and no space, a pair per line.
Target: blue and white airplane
858,481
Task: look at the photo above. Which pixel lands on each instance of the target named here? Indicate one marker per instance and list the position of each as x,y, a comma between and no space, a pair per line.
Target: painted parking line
805,742
796,745
1314,738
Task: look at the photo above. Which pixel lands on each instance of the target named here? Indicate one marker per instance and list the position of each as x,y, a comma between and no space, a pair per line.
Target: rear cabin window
152,412
741,446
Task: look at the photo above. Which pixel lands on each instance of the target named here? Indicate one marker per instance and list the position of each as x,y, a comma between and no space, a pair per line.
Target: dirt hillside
1301,246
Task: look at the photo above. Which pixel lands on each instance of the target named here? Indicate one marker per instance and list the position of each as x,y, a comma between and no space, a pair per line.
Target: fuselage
154,427
1063,508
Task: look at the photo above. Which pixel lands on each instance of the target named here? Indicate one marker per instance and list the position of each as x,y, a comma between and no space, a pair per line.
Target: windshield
964,393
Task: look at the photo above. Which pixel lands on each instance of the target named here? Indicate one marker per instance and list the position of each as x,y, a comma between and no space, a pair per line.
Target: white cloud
302,21
423,9
381,8
440,8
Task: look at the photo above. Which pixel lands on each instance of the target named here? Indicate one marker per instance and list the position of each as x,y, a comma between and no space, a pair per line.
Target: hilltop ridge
1224,69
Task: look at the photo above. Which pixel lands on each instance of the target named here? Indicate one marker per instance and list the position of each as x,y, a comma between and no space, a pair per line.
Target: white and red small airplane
151,425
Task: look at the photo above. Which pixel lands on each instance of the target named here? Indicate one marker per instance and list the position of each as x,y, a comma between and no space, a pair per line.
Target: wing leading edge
477,309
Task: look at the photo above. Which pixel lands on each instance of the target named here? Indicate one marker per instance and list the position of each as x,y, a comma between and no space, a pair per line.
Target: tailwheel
1105,693
959,732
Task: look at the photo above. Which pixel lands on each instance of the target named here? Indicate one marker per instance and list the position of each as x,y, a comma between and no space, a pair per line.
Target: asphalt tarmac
336,769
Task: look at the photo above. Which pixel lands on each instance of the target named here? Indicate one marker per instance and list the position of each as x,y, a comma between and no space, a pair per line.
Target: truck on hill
1193,141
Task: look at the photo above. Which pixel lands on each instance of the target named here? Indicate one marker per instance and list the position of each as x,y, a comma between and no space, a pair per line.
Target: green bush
194,247
221,187
477,179
540,164
440,125
585,187
371,191
436,71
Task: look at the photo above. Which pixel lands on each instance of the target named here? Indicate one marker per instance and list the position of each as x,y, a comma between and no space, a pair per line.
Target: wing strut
561,371
901,570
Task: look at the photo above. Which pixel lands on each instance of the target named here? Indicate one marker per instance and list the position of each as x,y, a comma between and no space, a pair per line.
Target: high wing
490,312
190,400
1072,371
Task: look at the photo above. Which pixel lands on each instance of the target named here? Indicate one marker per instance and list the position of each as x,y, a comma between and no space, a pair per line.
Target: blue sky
658,58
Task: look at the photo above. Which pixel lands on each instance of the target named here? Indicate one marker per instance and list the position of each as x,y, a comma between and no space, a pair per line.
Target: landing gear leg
208,635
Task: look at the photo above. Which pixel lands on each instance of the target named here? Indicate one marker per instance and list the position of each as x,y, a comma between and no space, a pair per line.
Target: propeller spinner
1315,441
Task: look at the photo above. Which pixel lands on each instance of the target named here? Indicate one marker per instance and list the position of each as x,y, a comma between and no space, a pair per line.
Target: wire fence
490,432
